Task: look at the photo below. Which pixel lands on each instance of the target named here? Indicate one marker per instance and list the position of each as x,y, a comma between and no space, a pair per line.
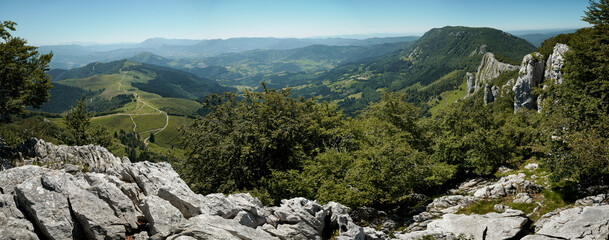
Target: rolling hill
104,81
442,54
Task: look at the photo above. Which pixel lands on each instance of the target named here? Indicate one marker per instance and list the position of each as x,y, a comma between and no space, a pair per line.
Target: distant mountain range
71,56
537,37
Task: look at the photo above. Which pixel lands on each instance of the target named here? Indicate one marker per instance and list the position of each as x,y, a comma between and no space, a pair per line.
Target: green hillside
436,54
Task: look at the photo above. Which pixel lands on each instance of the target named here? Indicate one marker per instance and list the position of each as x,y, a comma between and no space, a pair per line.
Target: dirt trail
156,130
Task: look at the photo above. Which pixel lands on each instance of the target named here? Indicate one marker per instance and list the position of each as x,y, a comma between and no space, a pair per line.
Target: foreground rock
488,226
590,222
104,197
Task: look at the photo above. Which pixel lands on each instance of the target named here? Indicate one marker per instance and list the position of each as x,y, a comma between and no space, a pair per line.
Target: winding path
155,130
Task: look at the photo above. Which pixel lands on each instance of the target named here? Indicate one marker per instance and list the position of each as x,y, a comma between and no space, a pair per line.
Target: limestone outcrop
113,198
582,222
530,76
555,63
489,69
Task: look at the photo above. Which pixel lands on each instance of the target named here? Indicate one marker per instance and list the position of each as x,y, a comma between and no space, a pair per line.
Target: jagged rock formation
554,65
530,76
113,198
489,69
441,221
534,70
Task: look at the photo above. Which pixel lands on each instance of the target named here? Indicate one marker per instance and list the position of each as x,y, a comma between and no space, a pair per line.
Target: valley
149,94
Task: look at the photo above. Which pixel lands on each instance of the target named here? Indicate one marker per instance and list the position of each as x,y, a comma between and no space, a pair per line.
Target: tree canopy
23,81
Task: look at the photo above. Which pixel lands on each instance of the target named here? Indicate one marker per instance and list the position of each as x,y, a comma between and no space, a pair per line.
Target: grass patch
482,207
114,123
552,200
176,106
447,99
169,136
149,122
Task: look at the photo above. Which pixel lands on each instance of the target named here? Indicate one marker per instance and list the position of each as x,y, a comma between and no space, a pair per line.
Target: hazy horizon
124,22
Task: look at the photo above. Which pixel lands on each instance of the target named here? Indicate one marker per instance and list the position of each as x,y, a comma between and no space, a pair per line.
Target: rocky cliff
85,192
489,69
533,71
530,76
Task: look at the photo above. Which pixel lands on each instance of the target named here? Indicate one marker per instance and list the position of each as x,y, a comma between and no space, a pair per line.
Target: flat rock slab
578,223
488,226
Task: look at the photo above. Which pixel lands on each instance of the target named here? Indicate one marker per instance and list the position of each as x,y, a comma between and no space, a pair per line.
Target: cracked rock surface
113,198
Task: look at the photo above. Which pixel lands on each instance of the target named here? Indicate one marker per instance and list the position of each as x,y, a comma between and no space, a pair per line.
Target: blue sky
44,22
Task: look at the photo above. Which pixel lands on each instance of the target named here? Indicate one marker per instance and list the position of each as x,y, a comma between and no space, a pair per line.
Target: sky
46,22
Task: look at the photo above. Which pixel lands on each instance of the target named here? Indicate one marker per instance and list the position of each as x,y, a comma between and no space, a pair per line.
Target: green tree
78,123
382,158
577,111
23,81
240,142
151,138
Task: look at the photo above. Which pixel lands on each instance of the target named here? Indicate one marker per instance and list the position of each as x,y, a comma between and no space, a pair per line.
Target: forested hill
441,56
99,81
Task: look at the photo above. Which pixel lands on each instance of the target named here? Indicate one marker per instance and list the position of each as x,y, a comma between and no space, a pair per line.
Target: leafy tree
78,122
577,111
151,138
23,81
382,157
240,142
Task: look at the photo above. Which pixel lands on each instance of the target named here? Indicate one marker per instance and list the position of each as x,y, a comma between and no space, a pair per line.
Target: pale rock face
583,222
471,83
116,197
530,76
508,185
489,69
556,61
13,224
488,226
162,216
554,66
49,210
95,158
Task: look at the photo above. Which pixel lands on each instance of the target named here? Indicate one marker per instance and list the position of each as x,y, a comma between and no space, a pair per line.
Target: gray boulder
297,218
589,222
80,158
163,217
597,200
13,224
96,217
449,204
216,227
426,234
49,210
151,177
122,206
508,185
10,178
488,226
531,75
